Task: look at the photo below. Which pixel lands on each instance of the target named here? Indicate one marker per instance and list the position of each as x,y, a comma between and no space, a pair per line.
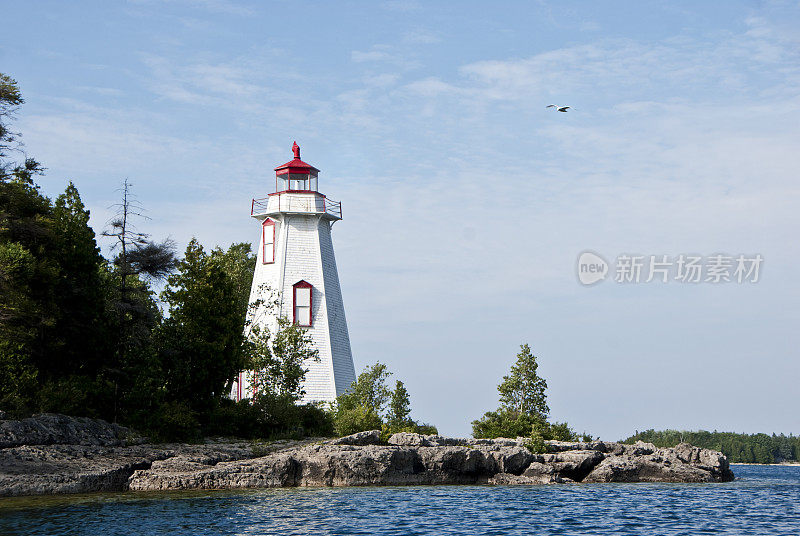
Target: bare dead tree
138,260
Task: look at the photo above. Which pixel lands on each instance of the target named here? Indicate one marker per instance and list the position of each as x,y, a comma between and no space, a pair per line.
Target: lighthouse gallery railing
319,204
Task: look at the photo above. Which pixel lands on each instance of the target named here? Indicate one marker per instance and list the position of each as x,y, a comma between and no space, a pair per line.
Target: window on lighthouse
268,232
298,181
302,303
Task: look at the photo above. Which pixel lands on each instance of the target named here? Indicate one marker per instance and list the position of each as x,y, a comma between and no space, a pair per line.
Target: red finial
296,150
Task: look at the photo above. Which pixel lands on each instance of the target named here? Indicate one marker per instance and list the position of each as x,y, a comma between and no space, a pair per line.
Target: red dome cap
296,165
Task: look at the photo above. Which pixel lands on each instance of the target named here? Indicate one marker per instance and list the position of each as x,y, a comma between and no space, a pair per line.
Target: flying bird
558,108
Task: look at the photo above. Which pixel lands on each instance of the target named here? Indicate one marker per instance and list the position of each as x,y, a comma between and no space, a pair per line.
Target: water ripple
762,501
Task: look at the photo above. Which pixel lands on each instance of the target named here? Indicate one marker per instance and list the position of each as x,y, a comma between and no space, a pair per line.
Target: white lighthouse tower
296,270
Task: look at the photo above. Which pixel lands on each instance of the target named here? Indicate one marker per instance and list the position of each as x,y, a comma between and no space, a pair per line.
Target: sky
466,201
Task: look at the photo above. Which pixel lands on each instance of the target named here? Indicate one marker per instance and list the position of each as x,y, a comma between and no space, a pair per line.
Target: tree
239,263
399,406
369,389
28,273
523,407
10,101
523,391
138,261
201,341
361,406
369,404
280,362
137,256
80,330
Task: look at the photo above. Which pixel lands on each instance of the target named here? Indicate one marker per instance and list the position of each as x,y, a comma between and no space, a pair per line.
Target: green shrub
270,417
351,420
176,422
535,442
560,431
409,426
233,419
74,395
504,423
315,420
425,428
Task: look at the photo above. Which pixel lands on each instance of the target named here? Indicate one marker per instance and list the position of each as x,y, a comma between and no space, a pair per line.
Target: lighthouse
296,277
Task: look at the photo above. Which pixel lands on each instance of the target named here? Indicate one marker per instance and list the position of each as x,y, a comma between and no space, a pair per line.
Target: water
762,500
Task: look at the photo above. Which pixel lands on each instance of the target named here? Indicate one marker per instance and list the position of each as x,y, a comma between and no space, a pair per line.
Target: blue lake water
762,500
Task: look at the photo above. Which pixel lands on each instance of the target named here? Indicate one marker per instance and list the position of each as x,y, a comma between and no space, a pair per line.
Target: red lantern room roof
296,165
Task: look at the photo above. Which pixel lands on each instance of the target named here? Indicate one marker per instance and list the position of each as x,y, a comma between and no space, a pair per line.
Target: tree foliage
369,404
399,406
238,262
523,390
281,361
201,340
523,408
362,405
85,335
80,328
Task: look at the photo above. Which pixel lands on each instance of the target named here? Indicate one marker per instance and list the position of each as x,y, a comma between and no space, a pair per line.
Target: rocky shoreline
55,454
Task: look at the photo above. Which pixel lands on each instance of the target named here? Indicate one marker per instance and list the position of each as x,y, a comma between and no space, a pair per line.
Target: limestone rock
101,460
56,469
409,439
54,429
574,464
503,459
370,437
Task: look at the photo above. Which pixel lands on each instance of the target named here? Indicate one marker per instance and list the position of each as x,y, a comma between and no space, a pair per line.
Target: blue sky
466,201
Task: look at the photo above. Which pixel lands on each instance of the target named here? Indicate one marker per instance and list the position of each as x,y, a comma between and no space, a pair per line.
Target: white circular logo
592,268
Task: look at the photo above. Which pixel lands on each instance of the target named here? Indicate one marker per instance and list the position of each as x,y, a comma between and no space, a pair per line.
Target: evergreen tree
201,341
523,391
399,406
28,271
133,313
239,263
523,407
81,330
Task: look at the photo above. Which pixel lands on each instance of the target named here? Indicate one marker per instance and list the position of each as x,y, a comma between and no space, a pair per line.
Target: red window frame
267,227
303,284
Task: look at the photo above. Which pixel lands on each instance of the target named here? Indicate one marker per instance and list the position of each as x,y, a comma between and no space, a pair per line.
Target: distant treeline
739,448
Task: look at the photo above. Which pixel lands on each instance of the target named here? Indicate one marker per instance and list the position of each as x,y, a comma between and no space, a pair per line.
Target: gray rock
57,469
504,459
409,439
370,437
654,468
574,464
54,429
640,448
563,446
542,473
104,462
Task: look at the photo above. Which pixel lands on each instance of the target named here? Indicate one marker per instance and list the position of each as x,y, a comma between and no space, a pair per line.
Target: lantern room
296,175
296,192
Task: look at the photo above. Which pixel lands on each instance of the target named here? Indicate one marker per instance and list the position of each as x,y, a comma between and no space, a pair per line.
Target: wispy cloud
466,201
228,7
403,6
376,54
421,37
